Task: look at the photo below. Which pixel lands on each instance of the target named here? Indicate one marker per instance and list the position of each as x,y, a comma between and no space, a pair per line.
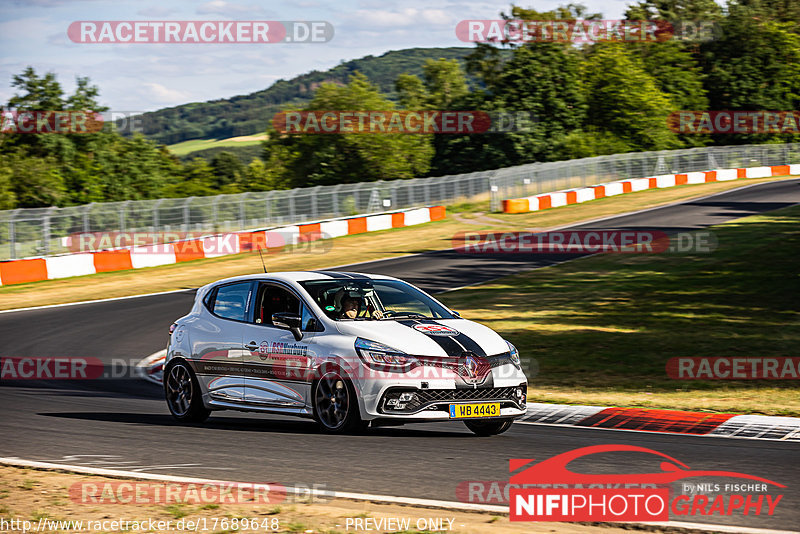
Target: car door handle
251,346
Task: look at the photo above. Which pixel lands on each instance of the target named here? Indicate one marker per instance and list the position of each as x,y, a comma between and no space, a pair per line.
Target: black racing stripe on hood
448,344
468,343
453,345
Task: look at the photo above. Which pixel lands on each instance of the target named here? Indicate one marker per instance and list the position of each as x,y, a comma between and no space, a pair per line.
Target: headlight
514,354
384,358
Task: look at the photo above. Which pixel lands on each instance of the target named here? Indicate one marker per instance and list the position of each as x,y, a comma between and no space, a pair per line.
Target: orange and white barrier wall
576,196
82,263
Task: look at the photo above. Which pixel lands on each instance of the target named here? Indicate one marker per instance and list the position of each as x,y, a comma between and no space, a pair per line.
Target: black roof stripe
340,275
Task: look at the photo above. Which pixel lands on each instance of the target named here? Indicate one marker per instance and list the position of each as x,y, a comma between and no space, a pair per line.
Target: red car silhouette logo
554,470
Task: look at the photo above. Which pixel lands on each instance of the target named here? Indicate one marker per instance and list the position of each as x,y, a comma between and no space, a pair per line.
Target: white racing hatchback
347,349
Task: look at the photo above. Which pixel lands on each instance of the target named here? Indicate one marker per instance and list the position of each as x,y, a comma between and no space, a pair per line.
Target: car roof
302,276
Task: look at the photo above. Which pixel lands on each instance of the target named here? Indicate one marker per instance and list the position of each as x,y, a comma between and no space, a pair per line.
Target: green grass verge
185,147
602,328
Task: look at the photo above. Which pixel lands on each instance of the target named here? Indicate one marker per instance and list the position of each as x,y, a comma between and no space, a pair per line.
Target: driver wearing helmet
352,304
350,307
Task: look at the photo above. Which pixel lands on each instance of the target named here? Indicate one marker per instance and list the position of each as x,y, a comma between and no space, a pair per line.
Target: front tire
336,405
183,395
489,428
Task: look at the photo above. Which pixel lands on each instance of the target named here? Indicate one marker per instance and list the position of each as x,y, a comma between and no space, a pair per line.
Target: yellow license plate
466,411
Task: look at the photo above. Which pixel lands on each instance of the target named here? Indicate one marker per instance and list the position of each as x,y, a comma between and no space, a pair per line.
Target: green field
602,328
185,147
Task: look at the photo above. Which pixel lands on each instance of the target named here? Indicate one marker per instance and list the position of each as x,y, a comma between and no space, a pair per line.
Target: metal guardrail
535,178
39,231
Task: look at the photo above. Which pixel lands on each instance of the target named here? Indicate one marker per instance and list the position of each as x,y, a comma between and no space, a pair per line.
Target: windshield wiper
412,315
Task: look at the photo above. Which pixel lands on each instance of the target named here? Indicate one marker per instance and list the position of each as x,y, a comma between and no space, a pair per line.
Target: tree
674,10
197,181
774,10
38,93
228,170
34,181
445,83
755,65
258,177
411,92
589,143
625,101
8,199
676,73
315,159
543,79
85,97
60,169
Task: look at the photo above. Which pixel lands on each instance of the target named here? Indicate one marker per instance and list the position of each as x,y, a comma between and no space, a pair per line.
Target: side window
274,299
309,321
231,301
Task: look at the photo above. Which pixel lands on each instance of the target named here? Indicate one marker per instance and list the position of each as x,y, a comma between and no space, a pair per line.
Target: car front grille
449,395
439,399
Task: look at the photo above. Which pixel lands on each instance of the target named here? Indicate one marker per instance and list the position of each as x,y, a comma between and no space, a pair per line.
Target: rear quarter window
230,301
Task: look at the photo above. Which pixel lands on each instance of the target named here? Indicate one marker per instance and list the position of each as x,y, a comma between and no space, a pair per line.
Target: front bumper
430,400
400,400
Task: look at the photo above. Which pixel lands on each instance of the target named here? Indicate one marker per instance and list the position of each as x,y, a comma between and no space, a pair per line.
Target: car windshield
362,299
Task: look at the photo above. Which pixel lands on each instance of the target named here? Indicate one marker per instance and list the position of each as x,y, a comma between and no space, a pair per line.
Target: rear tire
183,395
489,428
336,405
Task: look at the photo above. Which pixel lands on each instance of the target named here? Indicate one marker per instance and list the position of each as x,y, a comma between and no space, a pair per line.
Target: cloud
228,9
43,3
412,17
156,12
165,95
22,29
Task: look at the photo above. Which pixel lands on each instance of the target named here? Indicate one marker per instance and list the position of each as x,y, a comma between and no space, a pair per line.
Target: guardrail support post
494,203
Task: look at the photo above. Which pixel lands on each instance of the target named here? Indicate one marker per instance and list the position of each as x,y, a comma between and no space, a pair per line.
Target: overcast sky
145,77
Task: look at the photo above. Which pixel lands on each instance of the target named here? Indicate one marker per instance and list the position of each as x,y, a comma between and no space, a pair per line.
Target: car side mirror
289,321
456,313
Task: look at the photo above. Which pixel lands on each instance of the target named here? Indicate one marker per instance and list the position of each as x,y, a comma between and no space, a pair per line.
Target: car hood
427,337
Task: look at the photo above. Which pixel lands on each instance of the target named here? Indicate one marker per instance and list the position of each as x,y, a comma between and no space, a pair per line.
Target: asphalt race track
125,424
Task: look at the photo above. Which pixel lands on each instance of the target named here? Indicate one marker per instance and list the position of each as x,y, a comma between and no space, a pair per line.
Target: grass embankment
342,250
34,496
602,328
193,145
